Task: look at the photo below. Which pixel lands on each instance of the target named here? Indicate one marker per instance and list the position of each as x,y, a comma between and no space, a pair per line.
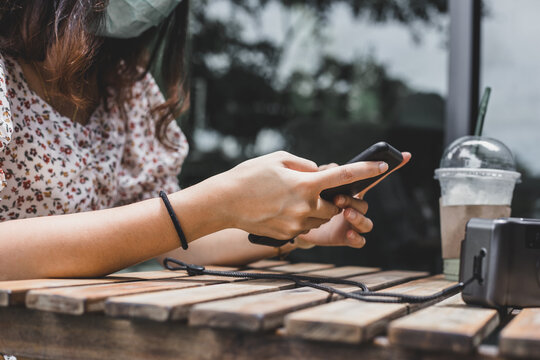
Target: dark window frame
463,69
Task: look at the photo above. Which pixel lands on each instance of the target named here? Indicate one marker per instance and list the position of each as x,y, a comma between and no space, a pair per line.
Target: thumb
349,173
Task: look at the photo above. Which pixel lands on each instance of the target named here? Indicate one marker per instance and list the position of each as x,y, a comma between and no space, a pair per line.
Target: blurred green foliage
327,114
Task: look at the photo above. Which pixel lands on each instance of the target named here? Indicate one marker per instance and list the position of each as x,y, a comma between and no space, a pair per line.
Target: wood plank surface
521,337
448,327
349,321
384,279
151,275
45,335
354,321
81,299
175,304
257,312
300,267
14,292
166,274
342,271
213,279
266,311
422,287
266,263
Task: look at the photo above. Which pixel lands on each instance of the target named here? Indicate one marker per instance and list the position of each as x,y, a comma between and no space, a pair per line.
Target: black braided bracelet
174,219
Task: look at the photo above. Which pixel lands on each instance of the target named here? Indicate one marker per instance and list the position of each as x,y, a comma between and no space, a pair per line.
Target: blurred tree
327,114
243,94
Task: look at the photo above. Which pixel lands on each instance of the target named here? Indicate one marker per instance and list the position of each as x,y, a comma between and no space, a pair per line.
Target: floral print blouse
51,165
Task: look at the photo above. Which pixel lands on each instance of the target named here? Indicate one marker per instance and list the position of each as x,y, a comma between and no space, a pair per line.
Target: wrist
195,209
222,191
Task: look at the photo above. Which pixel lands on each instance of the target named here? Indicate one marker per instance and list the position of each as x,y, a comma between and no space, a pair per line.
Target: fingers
353,239
344,202
325,210
354,214
358,221
313,223
297,163
348,173
327,166
295,228
406,157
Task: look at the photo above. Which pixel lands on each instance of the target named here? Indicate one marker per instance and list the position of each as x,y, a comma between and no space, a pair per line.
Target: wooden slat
300,267
168,274
212,279
81,299
262,312
256,312
43,335
175,304
261,271
342,271
349,321
266,263
455,300
422,287
151,275
14,292
521,337
448,327
355,321
388,278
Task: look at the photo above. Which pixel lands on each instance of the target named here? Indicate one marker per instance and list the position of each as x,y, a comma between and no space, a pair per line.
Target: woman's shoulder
142,117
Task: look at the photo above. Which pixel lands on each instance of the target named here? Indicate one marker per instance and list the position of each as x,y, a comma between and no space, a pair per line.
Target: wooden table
170,315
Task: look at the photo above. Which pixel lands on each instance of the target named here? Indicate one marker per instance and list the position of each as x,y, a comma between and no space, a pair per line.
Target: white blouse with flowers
51,165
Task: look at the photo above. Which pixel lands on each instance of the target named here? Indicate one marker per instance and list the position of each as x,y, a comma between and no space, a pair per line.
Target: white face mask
126,19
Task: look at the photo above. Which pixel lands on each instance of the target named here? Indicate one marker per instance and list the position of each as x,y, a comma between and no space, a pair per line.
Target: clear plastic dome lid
478,152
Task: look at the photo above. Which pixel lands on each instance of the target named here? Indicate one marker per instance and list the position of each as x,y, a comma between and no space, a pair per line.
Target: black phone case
380,151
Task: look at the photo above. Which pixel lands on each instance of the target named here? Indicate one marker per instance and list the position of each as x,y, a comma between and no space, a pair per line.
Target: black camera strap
363,293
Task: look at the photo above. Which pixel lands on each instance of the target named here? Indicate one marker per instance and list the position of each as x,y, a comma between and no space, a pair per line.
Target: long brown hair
59,34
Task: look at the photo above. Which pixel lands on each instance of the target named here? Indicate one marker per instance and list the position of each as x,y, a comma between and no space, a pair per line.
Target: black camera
503,255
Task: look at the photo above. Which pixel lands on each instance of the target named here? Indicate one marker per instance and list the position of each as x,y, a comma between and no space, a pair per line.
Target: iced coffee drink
477,177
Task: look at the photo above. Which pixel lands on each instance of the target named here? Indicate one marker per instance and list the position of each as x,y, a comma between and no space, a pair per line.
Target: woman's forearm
227,247
274,195
100,242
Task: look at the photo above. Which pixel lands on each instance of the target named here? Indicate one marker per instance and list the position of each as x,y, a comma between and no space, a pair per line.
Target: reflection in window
509,64
324,80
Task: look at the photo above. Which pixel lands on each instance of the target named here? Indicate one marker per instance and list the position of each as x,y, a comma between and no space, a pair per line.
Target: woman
87,141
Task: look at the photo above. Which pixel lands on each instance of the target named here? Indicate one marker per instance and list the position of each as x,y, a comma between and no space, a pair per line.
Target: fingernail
356,239
351,214
362,241
383,166
340,201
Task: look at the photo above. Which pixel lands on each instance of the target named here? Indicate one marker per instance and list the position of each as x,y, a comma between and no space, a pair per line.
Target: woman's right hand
277,195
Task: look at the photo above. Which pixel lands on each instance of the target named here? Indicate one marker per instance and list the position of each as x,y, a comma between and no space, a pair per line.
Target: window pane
510,61
324,80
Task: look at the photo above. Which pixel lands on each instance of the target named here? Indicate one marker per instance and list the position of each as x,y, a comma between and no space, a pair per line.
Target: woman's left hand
347,227
343,229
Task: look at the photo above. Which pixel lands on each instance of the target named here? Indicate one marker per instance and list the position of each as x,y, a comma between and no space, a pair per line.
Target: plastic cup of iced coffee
477,177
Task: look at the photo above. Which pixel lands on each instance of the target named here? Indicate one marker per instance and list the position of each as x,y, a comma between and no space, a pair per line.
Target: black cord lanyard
363,294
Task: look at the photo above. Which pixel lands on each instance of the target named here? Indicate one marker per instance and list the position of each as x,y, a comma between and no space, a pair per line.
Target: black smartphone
380,151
